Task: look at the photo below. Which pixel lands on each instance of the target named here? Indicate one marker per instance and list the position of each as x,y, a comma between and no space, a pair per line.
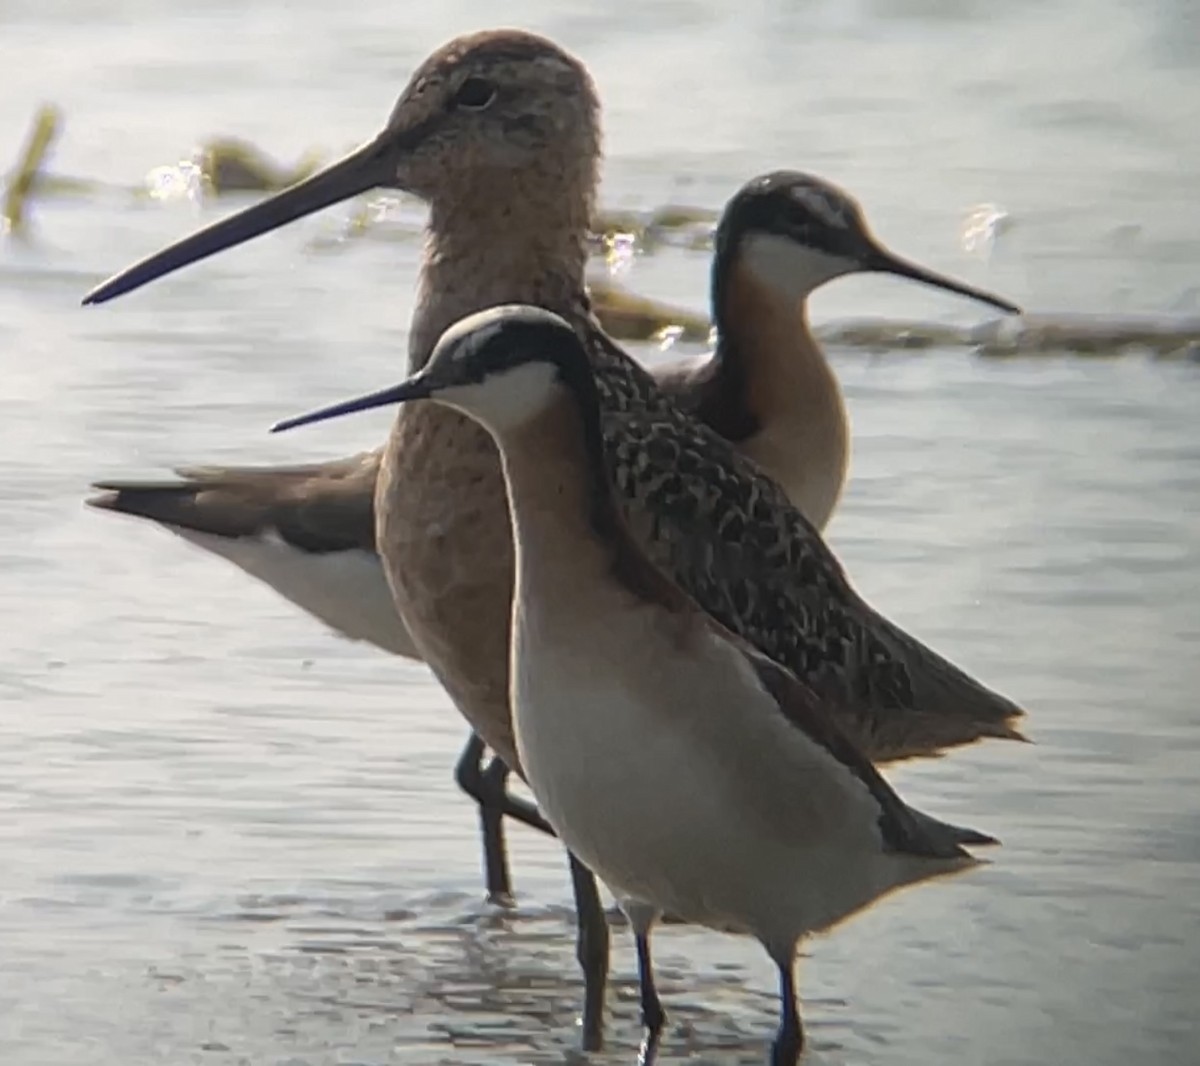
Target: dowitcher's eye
475,94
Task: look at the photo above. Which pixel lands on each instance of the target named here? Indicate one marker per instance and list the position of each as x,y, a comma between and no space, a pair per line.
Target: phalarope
685,768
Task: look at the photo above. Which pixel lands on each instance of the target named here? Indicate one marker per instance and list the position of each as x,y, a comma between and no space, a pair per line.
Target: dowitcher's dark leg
488,788
591,949
470,776
495,792
653,1016
789,1041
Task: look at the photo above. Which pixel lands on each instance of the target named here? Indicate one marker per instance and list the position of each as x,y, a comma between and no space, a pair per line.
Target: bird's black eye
475,94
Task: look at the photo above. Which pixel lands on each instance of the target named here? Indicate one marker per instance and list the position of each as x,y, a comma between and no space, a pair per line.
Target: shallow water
229,837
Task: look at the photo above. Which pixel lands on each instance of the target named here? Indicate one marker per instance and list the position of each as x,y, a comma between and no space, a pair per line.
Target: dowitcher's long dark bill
418,387
885,262
372,165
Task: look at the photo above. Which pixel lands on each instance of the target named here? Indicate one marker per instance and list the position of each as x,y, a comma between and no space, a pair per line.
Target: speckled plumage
730,537
721,528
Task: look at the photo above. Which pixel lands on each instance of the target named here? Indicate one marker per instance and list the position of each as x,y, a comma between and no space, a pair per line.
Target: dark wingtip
132,497
112,496
1008,730
115,488
946,840
973,838
104,501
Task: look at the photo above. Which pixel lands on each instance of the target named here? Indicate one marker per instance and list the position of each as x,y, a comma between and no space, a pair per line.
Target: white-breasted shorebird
499,133
309,531
683,766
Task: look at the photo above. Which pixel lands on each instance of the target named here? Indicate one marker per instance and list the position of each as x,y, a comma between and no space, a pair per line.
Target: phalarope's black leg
653,1015
591,949
789,1040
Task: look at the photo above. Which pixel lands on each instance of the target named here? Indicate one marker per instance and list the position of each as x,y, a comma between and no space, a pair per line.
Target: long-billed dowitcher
309,531
499,132
687,769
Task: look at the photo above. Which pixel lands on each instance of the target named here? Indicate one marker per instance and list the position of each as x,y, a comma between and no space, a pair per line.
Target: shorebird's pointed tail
308,532
951,834
315,507
171,503
947,709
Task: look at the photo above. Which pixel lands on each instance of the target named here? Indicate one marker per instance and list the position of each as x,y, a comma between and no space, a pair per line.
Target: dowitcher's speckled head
490,106
795,232
502,117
